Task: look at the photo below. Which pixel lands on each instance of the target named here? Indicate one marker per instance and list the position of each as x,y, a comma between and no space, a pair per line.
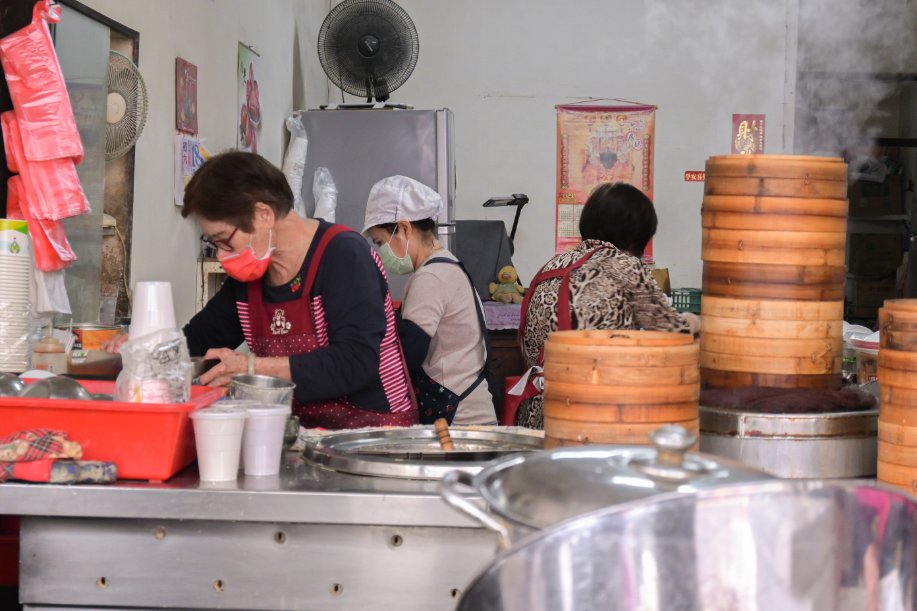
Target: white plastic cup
262,442
153,309
218,437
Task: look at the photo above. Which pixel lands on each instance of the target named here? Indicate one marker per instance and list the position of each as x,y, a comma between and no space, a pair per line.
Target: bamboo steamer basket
715,378
778,166
902,396
713,219
776,176
805,282
766,347
897,434
753,204
897,371
774,247
897,475
898,325
618,386
767,309
775,187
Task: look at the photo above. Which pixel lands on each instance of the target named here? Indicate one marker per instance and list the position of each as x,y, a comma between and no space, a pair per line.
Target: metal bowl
57,387
10,385
263,389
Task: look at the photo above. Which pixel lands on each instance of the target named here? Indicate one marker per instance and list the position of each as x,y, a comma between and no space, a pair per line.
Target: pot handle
449,489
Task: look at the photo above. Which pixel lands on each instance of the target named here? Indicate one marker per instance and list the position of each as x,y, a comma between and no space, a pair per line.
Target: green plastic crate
686,300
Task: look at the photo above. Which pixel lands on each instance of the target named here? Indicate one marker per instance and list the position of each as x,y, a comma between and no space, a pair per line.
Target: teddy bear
508,289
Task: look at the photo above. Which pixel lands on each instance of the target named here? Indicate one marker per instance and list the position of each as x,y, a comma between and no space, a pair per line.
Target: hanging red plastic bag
38,91
50,246
53,186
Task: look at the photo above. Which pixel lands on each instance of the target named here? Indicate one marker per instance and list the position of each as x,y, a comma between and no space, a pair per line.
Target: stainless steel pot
834,444
788,545
534,491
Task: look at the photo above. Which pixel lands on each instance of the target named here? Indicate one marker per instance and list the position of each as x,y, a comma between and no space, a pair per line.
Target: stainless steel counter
306,539
301,493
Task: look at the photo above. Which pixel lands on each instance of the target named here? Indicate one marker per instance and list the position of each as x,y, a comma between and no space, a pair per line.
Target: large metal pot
534,491
788,545
803,446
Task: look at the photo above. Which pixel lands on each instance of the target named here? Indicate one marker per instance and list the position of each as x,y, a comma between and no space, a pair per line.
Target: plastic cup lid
262,409
220,411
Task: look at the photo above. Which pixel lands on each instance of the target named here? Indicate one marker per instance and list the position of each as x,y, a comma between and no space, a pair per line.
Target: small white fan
127,105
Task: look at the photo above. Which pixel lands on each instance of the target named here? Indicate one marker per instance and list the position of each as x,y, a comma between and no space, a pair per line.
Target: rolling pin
442,431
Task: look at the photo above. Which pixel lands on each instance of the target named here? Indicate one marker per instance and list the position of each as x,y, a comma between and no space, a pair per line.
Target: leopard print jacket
612,290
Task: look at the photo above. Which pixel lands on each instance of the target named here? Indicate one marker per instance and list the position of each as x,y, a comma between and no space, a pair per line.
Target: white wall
206,33
502,66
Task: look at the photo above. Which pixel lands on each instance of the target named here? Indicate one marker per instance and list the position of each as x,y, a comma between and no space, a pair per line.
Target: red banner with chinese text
598,144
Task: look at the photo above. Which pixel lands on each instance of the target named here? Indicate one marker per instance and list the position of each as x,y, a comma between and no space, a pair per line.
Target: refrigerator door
361,147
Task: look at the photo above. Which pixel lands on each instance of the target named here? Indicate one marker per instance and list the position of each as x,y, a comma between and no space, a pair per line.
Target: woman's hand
231,363
113,346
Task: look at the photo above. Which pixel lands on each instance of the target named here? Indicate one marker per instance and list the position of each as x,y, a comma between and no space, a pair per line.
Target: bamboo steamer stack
617,387
774,241
897,463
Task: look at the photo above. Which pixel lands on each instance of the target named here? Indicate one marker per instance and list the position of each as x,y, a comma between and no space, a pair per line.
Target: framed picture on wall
249,71
185,96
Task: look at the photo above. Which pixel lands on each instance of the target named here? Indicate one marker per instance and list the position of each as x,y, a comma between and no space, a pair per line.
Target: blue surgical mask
396,265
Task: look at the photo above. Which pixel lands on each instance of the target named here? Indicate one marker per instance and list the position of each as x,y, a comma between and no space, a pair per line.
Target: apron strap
479,310
255,290
564,298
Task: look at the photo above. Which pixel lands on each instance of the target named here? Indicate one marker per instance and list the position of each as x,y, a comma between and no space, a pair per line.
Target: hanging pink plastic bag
8,144
53,186
38,91
49,242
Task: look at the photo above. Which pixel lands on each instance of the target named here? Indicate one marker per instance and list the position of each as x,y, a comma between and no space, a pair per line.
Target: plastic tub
146,441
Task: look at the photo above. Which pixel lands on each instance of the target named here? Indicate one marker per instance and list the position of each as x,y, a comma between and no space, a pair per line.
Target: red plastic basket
146,441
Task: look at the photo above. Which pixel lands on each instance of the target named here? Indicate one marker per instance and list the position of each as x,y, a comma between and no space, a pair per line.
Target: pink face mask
245,266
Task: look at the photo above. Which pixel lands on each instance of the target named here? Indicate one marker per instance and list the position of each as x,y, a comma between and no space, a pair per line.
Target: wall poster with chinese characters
599,143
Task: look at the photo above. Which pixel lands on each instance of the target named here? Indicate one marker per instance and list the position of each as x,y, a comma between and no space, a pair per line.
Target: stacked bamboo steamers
898,394
774,240
617,387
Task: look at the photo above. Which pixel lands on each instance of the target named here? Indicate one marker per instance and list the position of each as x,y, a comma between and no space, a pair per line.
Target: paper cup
153,309
218,437
262,442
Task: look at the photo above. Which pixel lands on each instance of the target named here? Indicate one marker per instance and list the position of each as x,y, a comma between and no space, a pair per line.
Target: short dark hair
424,226
621,214
227,187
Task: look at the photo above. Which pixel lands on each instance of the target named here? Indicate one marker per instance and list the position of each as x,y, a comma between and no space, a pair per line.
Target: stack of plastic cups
218,438
15,301
262,442
153,309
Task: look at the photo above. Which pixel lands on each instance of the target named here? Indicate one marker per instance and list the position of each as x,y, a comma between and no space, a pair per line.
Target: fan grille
127,105
347,25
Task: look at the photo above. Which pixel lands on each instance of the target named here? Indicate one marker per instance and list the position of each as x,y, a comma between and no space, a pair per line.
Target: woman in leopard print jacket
610,287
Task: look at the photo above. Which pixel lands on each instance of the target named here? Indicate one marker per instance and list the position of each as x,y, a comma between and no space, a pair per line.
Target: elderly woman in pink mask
442,322
308,297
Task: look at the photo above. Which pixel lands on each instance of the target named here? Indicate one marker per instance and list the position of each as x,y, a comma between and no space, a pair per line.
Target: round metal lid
415,452
537,490
739,423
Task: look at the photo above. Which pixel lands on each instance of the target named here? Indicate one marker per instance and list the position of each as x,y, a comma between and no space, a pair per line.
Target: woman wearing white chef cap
442,326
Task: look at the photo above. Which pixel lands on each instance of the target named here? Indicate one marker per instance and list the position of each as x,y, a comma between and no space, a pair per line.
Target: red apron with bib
533,387
288,328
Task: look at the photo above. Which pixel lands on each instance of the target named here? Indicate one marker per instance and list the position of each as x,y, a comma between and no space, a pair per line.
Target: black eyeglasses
221,244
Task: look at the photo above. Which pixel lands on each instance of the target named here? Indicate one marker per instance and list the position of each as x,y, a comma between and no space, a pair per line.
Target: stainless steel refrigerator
361,147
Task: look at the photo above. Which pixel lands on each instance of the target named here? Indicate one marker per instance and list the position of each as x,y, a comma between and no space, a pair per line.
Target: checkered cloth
30,455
